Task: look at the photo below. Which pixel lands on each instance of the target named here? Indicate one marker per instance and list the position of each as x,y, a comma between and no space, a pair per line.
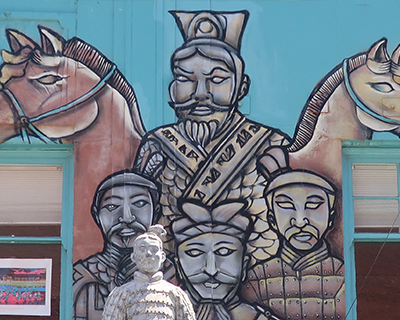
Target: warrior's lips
127,232
303,236
201,111
211,285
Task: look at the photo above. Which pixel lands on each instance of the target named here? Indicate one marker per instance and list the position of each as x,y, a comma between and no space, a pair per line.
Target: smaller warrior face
125,212
212,264
148,255
301,214
203,89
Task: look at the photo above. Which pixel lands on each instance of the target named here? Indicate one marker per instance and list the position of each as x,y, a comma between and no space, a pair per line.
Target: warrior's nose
127,215
210,266
201,92
299,219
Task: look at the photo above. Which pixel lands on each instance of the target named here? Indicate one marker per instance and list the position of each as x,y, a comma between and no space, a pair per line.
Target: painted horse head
375,87
52,87
372,87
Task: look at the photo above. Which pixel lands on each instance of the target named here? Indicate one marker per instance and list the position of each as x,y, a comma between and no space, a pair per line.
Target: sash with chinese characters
213,172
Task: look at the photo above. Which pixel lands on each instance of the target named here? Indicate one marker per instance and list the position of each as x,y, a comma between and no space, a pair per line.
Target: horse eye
382,87
49,79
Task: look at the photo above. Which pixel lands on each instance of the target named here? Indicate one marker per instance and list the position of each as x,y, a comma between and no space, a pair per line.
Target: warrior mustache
293,231
220,277
136,226
192,104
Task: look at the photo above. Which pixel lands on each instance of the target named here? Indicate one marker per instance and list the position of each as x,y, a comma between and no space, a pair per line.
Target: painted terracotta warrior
211,259
148,296
304,280
210,153
123,208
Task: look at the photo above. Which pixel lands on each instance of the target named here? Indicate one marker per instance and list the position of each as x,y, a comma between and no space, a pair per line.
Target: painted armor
224,168
96,276
299,287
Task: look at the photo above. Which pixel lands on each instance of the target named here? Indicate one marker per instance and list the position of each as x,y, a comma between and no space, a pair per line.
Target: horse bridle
358,102
28,122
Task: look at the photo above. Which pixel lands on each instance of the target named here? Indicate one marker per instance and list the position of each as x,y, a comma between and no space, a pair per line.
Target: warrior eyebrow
112,196
316,196
195,244
215,70
223,242
137,195
283,195
183,70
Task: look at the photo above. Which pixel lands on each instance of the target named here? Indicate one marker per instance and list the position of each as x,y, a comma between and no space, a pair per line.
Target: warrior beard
201,133
212,311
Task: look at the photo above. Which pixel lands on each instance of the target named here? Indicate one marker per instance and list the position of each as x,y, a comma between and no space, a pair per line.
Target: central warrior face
213,264
203,89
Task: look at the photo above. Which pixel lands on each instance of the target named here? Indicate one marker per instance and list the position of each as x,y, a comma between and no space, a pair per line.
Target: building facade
262,134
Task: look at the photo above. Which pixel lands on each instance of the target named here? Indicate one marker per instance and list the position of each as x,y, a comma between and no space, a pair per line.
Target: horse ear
17,40
396,55
378,51
52,42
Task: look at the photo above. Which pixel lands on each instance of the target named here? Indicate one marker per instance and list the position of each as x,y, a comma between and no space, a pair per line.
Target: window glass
375,197
374,180
31,200
377,280
376,215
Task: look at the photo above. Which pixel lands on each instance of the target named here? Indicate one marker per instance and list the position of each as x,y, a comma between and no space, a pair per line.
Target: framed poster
25,286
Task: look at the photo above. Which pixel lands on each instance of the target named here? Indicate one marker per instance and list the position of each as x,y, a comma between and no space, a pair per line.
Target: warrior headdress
228,217
212,28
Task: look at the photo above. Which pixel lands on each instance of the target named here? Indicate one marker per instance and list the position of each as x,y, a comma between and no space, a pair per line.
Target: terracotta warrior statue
148,296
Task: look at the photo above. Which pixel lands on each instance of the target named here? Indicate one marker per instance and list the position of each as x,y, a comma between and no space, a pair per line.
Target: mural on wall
210,153
304,278
213,184
358,97
246,227
124,207
212,259
68,92
49,91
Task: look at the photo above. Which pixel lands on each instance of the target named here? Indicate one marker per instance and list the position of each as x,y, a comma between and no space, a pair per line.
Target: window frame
354,151
63,155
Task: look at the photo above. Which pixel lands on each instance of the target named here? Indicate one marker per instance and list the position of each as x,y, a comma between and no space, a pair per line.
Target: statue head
123,207
148,253
300,207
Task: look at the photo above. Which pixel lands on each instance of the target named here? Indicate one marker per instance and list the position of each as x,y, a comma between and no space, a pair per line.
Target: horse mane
91,57
319,96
